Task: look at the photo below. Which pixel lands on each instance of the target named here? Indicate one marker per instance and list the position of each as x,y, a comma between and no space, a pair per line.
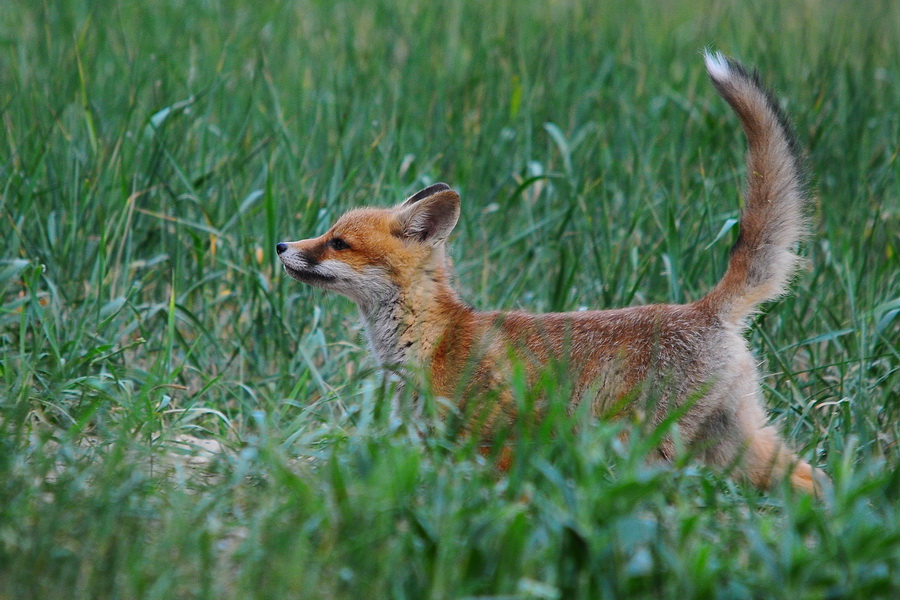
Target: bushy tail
773,220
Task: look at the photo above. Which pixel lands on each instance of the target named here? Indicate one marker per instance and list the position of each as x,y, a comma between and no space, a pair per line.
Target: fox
693,358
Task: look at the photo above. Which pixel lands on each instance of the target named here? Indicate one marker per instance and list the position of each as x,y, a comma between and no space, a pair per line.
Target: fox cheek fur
393,263
307,261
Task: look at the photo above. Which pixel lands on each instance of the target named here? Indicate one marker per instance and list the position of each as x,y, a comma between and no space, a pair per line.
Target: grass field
178,419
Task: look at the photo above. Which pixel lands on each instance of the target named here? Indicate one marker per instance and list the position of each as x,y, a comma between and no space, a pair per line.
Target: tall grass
178,419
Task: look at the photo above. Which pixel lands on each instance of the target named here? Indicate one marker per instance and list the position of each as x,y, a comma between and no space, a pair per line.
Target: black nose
280,247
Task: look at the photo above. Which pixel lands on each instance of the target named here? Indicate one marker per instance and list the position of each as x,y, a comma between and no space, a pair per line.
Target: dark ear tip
431,190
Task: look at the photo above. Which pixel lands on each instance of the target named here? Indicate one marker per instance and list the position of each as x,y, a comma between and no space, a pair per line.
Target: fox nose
280,247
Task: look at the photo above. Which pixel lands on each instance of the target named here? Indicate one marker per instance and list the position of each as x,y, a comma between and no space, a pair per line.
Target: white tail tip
717,65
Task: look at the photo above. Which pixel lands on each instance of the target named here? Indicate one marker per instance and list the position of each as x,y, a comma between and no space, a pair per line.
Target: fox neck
408,325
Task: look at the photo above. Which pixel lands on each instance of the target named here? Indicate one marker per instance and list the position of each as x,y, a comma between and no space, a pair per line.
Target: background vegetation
180,420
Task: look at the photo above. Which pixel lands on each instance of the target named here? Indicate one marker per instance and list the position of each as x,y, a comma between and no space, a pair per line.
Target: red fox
393,263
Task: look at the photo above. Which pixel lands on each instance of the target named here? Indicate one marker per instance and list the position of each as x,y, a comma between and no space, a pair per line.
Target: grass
180,420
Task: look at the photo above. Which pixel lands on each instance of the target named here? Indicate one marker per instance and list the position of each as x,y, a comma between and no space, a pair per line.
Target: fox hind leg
767,460
736,435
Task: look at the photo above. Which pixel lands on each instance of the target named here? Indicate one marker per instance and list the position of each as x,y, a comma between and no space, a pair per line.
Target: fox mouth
310,277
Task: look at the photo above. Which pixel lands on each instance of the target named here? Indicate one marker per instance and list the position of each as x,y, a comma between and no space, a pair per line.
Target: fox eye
338,244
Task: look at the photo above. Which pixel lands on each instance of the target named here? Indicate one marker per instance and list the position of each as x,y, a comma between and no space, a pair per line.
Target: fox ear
430,218
425,192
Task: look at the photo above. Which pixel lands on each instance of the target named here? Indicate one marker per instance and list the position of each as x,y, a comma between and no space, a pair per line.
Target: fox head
370,254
